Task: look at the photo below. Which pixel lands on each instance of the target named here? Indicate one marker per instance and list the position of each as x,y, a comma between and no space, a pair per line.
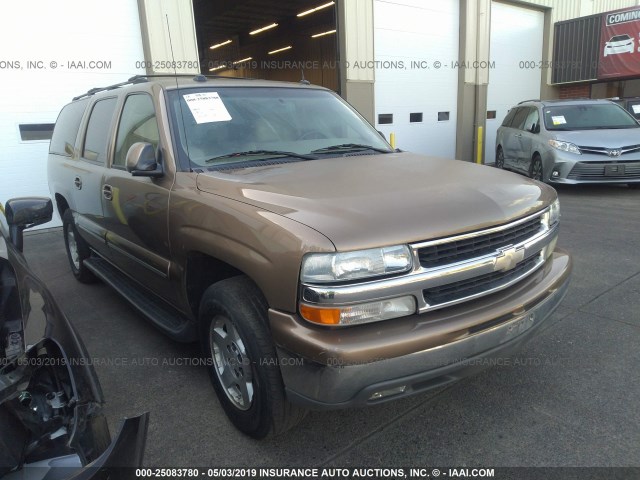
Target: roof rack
531,100
93,91
557,100
143,78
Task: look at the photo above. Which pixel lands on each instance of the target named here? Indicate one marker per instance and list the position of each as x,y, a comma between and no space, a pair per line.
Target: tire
77,249
248,382
499,158
535,169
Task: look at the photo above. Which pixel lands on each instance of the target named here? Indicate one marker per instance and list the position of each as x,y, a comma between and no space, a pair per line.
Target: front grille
605,151
454,292
605,171
460,250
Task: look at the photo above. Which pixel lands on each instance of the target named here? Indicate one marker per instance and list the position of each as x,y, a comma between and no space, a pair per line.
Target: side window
63,140
519,118
97,138
532,119
137,124
509,118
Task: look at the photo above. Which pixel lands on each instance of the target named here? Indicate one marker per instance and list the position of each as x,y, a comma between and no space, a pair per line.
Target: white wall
416,30
62,31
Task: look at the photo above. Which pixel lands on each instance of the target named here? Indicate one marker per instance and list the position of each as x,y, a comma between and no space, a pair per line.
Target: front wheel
535,170
77,249
244,367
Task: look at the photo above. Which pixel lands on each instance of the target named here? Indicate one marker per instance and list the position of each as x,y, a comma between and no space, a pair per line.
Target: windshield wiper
269,153
350,146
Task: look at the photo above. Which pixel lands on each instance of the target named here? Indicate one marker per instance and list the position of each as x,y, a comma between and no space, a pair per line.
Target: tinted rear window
66,129
98,128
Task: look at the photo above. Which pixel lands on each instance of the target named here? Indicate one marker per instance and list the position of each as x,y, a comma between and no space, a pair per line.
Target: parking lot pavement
570,398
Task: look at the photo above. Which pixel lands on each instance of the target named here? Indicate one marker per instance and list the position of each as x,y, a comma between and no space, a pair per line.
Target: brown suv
318,267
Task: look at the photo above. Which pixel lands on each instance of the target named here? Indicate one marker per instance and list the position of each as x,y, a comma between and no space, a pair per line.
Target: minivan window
65,132
509,118
520,117
600,116
532,119
137,124
96,140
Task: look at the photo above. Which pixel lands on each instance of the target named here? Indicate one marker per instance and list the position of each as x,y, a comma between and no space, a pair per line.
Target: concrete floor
571,400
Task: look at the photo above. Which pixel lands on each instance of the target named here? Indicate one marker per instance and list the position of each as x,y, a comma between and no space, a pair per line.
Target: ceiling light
280,50
268,27
217,68
323,34
218,45
307,12
243,60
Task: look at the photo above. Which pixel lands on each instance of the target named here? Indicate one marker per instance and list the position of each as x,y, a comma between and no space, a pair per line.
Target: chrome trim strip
479,233
497,288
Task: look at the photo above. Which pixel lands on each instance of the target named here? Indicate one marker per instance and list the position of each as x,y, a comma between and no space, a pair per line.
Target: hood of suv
372,200
607,138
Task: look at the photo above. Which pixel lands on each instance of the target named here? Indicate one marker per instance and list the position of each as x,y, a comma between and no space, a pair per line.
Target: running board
160,313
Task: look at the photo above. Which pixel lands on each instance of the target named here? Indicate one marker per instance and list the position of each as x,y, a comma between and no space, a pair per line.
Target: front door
135,208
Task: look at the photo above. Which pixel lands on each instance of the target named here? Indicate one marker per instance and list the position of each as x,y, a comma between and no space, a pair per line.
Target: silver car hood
611,138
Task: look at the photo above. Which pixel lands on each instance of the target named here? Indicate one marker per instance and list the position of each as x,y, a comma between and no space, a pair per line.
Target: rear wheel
535,169
499,158
77,249
244,367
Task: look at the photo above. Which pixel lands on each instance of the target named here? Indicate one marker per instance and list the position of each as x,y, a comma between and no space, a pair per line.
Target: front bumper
590,168
338,368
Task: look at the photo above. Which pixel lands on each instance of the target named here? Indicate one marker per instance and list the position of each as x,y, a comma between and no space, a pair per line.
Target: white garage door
53,51
416,97
516,50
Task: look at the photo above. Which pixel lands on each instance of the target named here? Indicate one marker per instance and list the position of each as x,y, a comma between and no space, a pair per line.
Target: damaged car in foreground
51,424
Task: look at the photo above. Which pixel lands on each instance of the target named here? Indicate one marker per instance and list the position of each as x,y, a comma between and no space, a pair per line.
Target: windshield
222,125
587,117
620,38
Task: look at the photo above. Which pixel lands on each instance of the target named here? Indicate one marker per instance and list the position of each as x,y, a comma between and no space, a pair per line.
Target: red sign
620,44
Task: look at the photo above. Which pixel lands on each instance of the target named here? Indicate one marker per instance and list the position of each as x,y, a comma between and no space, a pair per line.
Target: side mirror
141,161
23,213
535,128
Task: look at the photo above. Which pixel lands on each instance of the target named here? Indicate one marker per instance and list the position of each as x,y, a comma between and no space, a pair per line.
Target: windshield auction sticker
207,107
558,120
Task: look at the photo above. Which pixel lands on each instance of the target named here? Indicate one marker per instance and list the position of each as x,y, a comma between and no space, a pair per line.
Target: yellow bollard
392,139
479,143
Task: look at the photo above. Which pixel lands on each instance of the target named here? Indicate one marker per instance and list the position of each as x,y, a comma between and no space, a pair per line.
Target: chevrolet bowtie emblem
508,259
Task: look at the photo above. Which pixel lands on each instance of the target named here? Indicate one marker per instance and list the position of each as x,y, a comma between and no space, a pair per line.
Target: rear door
528,138
88,172
135,208
512,143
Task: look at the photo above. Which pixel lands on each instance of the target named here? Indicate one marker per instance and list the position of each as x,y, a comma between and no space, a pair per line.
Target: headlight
344,266
565,146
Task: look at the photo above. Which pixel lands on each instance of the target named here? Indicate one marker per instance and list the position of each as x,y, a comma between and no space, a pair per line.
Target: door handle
518,135
78,183
107,193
